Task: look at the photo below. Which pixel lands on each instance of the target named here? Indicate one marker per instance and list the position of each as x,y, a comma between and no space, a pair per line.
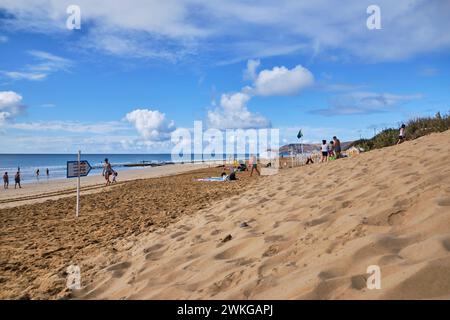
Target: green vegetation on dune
415,128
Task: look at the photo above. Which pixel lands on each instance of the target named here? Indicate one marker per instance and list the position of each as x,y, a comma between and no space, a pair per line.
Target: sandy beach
305,233
58,188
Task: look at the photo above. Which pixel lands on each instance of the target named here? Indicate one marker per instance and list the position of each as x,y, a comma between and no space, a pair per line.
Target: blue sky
139,70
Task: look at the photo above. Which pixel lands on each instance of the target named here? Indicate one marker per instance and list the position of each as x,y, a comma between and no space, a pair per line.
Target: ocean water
57,164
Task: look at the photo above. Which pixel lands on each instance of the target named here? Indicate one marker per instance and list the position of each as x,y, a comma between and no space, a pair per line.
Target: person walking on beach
107,171
324,149
337,147
401,136
47,172
5,180
17,180
253,162
114,179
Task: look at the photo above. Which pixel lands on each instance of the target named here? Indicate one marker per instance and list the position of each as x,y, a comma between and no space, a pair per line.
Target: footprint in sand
177,234
316,222
274,238
153,252
273,250
118,269
331,273
387,244
443,201
446,244
429,282
389,259
359,281
228,253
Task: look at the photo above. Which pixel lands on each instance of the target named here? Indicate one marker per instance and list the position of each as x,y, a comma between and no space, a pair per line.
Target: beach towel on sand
213,179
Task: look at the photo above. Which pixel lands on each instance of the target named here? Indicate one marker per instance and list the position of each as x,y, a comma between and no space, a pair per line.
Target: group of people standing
331,150
47,172
108,172
16,180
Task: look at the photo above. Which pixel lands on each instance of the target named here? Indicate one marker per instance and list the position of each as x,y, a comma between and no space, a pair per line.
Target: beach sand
54,189
310,233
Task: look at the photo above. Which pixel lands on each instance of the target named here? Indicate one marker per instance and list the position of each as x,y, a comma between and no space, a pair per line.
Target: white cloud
3,39
365,103
10,106
233,114
45,64
281,81
17,75
70,126
48,105
152,125
250,72
316,28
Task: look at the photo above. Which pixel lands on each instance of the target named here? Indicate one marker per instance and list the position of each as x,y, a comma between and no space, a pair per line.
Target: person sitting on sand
107,171
337,147
401,136
17,180
254,164
5,180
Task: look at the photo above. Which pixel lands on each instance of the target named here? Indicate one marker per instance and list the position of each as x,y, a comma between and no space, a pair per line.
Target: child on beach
114,177
17,180
331,155
5,180
401,136
324,149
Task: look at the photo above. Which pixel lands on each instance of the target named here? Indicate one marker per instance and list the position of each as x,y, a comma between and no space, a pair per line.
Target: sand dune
305,233
312,232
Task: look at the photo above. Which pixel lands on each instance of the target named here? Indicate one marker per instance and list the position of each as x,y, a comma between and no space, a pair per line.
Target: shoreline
34,192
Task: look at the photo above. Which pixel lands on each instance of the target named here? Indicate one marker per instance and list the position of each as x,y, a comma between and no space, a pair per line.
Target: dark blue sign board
72,169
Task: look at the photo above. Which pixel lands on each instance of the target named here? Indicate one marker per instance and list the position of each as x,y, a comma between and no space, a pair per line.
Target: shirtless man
107,171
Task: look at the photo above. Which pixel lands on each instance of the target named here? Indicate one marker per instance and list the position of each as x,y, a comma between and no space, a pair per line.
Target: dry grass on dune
312,232
39,241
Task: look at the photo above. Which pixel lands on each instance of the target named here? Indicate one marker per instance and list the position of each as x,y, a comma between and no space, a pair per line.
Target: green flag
299,134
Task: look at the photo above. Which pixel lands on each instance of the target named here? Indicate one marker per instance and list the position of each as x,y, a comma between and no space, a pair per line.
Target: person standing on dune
324,151
337,147
401,136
